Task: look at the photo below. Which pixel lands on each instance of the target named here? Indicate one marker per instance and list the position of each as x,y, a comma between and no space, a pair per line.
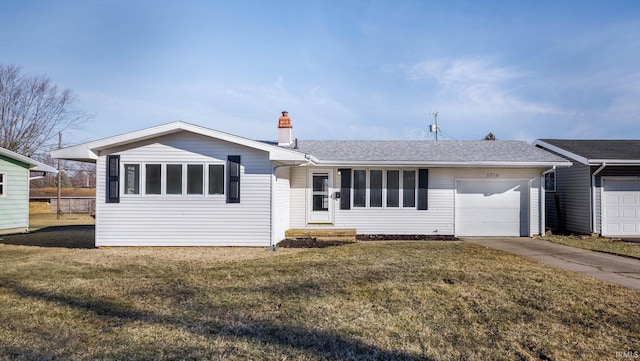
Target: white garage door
621,207
492,207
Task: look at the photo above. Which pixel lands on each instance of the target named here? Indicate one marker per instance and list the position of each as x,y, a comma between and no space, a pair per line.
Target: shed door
621,207
492,208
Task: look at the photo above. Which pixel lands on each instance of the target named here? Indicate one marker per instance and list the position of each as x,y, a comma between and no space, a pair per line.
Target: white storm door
320,205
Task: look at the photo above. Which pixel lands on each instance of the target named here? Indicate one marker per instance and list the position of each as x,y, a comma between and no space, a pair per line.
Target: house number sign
493,175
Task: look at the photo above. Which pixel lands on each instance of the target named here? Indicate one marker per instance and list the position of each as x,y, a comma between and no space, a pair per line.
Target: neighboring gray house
600,193
15,174
179,184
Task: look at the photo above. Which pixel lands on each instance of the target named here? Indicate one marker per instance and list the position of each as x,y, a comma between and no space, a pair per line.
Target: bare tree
489,136
32,111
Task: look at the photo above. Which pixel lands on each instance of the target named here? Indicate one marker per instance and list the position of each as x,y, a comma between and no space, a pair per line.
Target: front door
320,205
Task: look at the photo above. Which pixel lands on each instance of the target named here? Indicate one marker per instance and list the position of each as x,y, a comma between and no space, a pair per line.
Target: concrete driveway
622,271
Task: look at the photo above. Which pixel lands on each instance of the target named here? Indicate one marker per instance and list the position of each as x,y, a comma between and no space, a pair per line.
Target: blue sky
343,69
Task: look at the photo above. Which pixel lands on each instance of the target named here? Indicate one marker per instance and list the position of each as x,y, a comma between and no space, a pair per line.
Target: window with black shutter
423,186
113,179
345,188
233,196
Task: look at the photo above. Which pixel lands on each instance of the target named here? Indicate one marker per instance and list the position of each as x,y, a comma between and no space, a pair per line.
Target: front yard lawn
601,244
364,301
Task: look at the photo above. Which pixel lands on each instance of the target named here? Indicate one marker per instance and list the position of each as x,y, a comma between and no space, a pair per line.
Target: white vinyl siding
298,199
438,219
183,220
281,203
14,203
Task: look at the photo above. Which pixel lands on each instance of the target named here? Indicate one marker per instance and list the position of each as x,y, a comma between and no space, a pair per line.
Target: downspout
593,197
273,180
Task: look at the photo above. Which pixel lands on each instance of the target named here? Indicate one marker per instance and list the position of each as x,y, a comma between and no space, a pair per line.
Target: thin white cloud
478,85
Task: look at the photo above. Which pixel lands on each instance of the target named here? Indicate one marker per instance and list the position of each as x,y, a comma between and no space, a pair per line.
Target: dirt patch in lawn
61,236
404,237
310,243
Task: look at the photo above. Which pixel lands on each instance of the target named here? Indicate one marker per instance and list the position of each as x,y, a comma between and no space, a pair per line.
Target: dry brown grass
379,300
601,244
38,221
65,192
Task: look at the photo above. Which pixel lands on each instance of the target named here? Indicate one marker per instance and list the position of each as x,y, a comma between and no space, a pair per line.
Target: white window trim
224,180
185,180
385,189
123,182
415,188
369,188
366,188
555,182
142,179
165,174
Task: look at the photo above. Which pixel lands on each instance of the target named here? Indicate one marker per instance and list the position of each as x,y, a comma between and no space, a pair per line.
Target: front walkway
615,269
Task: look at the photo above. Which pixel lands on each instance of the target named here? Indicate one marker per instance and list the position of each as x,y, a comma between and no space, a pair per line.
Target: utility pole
59,205
435,117
434,127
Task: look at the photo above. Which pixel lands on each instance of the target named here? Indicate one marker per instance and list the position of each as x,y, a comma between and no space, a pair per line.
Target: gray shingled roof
425,151
599,148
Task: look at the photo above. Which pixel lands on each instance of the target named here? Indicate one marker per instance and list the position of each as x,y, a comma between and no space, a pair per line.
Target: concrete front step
332,234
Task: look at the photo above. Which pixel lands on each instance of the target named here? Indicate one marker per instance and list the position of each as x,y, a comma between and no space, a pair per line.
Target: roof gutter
553,169
446,164
614,161
593,196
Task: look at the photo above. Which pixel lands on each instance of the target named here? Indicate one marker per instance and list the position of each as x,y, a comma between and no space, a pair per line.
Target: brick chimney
284,130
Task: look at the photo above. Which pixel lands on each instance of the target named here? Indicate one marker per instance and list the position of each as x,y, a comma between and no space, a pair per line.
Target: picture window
216,179
174,179
132,179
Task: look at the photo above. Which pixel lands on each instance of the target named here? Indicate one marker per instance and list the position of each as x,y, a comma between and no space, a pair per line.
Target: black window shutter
345,188
423,185
233,196
113,179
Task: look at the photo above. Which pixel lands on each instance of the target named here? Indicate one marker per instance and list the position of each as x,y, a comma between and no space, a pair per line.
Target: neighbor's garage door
492,208
621,207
